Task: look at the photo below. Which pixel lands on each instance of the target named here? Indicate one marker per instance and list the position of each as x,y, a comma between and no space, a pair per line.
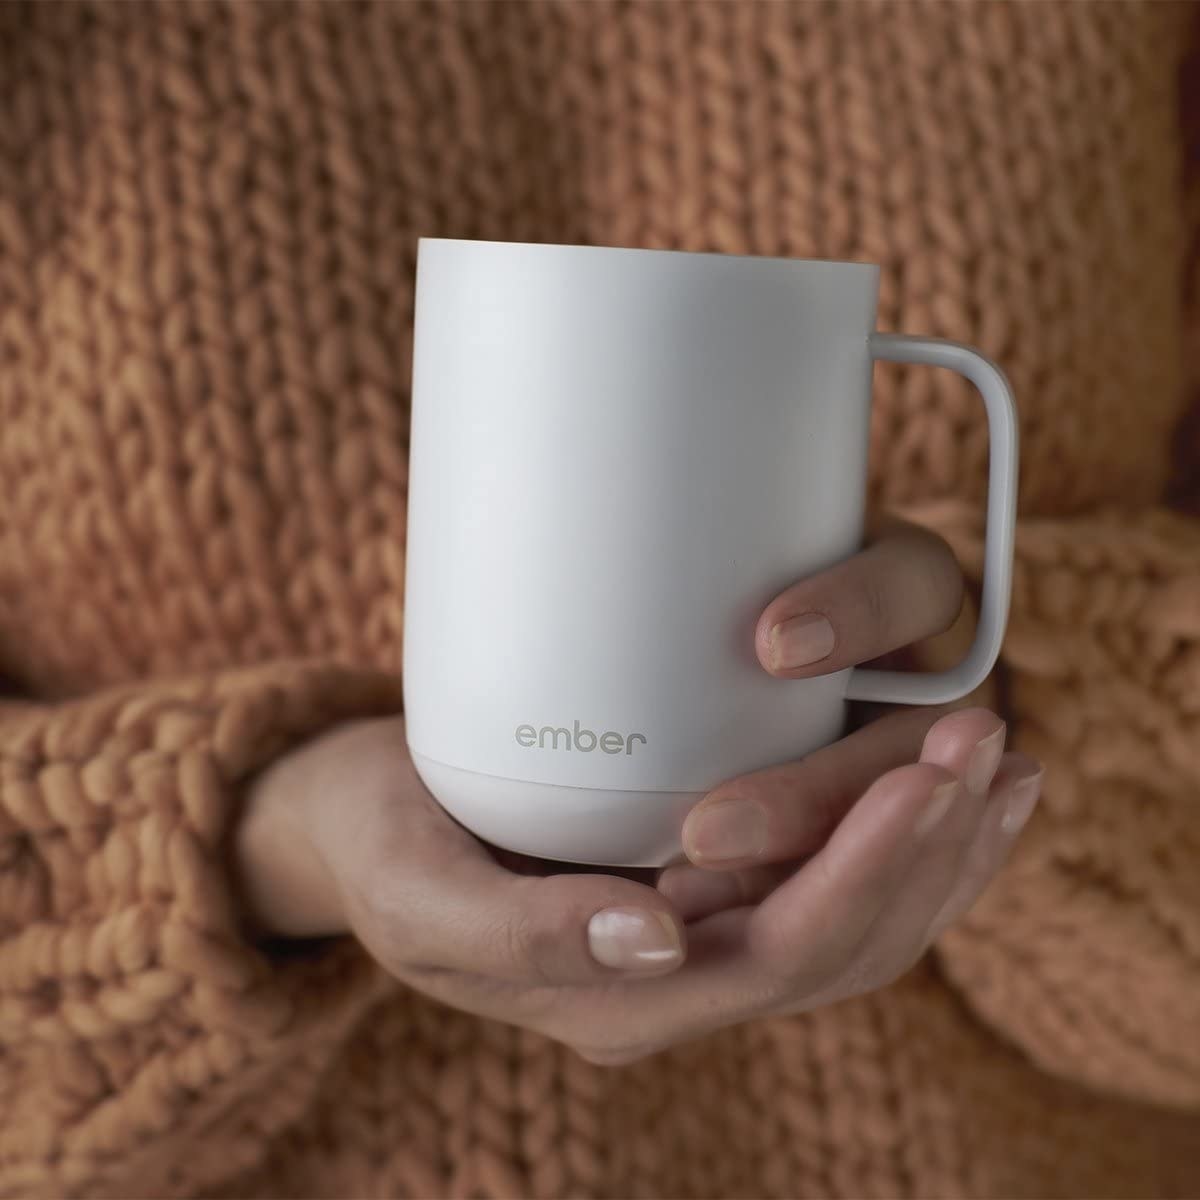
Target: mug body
617,458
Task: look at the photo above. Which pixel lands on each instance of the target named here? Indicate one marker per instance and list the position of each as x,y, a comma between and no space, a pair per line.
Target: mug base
603,827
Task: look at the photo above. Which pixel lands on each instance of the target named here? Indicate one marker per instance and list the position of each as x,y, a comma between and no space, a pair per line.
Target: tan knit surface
208,223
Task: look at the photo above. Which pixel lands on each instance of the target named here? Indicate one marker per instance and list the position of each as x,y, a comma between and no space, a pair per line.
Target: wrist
282,884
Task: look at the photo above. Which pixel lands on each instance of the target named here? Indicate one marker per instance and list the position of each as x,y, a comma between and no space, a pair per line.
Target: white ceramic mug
618,457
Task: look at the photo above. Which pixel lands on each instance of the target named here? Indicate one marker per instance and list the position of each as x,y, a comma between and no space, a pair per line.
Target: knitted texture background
1185,485
208,223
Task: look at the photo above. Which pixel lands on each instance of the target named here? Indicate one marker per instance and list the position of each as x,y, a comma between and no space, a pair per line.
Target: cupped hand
808,882
900,601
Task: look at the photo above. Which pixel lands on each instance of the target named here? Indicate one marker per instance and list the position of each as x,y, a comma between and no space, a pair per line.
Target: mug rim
871,267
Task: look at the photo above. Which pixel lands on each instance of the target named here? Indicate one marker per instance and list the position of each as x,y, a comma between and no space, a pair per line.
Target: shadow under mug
617,458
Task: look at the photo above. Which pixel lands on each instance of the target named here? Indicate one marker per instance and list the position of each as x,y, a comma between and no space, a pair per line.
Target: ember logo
551,737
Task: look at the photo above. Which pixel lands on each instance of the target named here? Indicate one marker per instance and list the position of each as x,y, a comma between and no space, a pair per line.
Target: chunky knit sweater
208,224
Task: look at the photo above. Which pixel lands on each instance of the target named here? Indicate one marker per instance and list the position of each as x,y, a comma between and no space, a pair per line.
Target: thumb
423,893
464,912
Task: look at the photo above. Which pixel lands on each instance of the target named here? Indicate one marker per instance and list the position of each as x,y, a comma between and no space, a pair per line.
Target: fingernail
1019,803
940,800
984,759
727,830
800,641
633,939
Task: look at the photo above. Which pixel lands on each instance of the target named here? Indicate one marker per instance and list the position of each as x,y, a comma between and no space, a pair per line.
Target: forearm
121,937
283,885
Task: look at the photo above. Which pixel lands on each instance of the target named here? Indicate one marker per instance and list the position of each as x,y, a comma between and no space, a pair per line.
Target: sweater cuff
1085,952
119,938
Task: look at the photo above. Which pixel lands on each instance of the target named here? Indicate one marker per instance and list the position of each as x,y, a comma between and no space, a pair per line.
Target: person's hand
901,603
869,848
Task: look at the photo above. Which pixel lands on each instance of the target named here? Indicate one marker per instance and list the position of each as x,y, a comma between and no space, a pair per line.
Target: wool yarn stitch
208,223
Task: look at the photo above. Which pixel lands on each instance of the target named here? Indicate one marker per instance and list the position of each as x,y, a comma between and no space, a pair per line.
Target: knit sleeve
1085,952
146,1047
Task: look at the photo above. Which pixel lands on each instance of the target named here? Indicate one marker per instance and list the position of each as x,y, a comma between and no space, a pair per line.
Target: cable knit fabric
208,224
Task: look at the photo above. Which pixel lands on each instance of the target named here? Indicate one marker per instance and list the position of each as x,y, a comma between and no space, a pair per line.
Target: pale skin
852,860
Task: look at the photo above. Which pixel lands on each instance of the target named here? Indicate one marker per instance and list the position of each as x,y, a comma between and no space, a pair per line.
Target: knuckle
874,606
535,946
914,584
944,584
938,575
877,619
525,947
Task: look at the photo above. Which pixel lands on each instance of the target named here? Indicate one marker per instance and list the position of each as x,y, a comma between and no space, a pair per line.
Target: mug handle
915,687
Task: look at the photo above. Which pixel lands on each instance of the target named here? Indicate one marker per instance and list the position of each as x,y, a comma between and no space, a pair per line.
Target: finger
787,812
810,928
747,962
696,893
939,653
899,935
905,587
970,743
433,899
1013,797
